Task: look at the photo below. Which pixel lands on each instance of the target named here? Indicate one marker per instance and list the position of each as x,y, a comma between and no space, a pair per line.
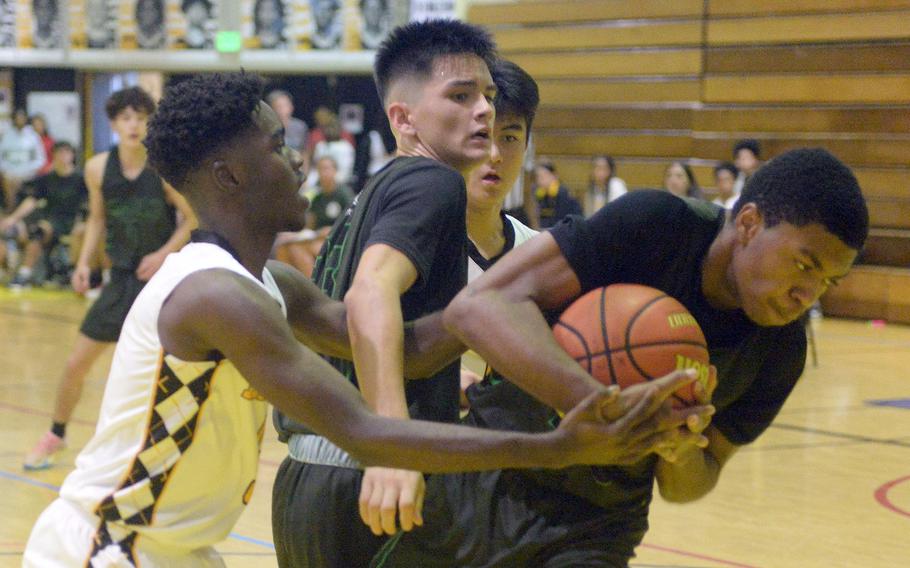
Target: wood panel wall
651,81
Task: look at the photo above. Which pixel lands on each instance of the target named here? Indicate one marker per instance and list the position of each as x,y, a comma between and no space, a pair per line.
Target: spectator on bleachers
39,125
725,181
21,156
604,186
47,212
554,200
331,198
680,180
747,158
336,147
295,130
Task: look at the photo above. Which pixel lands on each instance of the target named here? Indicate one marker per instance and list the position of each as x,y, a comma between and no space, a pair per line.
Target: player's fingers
375,509
388,510
418,504
669,384
363,502
406,504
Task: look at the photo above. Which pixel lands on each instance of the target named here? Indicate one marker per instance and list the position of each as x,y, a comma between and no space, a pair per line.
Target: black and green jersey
416,206
139,219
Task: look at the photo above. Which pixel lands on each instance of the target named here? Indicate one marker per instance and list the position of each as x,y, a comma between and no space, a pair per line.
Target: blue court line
893,402
55,488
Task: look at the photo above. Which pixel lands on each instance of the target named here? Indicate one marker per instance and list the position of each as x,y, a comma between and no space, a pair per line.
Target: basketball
626,334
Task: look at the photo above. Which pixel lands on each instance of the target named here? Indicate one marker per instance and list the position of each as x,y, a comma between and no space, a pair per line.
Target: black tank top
139,219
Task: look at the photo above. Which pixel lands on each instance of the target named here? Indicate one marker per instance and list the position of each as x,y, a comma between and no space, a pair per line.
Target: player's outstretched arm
217,310
498,315
320,323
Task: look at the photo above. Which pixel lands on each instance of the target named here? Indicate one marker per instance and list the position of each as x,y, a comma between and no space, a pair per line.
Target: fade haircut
516,93
135,98
412,49
807,186
197,117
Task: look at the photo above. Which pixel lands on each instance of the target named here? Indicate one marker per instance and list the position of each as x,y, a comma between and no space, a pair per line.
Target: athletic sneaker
42,455
20,282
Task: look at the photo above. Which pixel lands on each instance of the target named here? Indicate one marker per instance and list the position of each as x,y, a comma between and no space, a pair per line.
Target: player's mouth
482,135
492,178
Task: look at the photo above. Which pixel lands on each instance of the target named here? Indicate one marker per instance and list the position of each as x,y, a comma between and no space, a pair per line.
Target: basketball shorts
67,536
105,318
316,519
506,519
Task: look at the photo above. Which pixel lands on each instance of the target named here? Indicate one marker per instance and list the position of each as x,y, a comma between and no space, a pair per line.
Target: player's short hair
516,92
135,98
726,166
412,49
547,164
750,144
198,116
809,185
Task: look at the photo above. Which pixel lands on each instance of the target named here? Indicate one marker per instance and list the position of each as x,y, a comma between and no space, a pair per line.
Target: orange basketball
625,334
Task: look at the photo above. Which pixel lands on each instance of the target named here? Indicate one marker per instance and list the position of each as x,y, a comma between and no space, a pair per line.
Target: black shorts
506,519
105,318
316,520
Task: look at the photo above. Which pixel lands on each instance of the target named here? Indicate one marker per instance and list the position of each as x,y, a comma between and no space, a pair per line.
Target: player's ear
749,221
400,118
224,176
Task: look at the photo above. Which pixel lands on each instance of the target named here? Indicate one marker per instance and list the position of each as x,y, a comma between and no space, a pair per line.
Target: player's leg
315,517
40,234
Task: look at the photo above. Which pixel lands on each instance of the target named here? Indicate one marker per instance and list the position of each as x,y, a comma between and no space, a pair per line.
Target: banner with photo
432,10
37,23
7,23
94,24
192,23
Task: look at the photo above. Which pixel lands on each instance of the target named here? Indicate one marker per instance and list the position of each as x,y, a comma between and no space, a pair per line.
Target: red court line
881,495
696,555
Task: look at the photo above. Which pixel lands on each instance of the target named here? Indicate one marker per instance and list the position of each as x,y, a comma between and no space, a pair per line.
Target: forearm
429,346
94,228
438,448
515,339
377,342
692,476
25,208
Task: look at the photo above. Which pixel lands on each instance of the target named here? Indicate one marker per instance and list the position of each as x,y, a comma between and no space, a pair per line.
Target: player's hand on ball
691,436
386,492
617,429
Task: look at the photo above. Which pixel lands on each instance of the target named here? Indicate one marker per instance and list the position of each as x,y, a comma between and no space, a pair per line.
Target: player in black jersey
143,220
747,276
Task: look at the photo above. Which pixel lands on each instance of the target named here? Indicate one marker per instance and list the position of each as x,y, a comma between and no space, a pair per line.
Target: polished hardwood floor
827,486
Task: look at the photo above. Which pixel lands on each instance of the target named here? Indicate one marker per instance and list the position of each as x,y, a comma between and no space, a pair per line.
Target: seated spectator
340,150
323,117
331,198
680,180
21,156
554,200
725,181
39,125
747,158
604,186
47,212
295,130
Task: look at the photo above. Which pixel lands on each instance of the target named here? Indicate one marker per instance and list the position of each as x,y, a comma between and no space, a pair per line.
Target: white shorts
64,536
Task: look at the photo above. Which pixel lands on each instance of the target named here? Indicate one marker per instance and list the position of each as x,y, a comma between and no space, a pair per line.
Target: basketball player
136,210
175,455
746,275
399,253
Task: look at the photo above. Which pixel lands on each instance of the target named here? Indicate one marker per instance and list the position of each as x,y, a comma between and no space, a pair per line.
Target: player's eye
460,97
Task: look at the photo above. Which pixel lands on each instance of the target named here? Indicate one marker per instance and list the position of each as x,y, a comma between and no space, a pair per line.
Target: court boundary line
881,495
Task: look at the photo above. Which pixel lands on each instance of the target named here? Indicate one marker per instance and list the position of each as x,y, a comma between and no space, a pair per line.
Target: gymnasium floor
827,486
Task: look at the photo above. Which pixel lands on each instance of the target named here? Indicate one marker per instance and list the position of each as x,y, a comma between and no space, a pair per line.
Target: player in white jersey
173,459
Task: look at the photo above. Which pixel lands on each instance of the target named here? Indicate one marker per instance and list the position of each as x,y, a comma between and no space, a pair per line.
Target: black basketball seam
652,344
584,344
629,325
605,337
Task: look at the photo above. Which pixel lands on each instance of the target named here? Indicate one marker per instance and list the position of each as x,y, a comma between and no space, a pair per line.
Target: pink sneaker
42,455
